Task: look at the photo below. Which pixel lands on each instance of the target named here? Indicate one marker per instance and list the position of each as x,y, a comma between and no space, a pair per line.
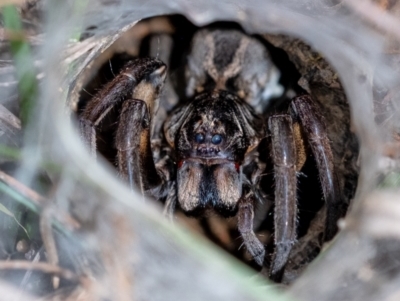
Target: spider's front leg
285,161
314,129
137,86
288,153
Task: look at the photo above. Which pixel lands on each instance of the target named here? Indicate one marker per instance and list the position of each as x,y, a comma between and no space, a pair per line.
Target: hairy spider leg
284,158
288,154
245,226
314,129
135,158
140,79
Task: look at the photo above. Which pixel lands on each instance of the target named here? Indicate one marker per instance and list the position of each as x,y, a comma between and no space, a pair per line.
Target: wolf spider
213,135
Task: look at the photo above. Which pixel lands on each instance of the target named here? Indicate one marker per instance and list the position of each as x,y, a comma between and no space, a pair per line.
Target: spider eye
199,138
216,139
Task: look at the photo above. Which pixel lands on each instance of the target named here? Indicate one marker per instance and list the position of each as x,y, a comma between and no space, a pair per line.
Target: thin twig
38,266
49,241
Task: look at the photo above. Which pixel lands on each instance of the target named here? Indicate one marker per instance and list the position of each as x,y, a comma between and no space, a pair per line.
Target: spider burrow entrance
172,153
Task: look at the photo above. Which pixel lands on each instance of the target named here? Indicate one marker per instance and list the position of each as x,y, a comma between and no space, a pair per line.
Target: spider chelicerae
208,157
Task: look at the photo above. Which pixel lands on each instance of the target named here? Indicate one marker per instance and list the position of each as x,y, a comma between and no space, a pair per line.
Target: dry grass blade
37,199
9,118
26,191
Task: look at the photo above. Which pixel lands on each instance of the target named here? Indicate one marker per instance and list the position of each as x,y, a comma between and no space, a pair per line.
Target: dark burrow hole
221,231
